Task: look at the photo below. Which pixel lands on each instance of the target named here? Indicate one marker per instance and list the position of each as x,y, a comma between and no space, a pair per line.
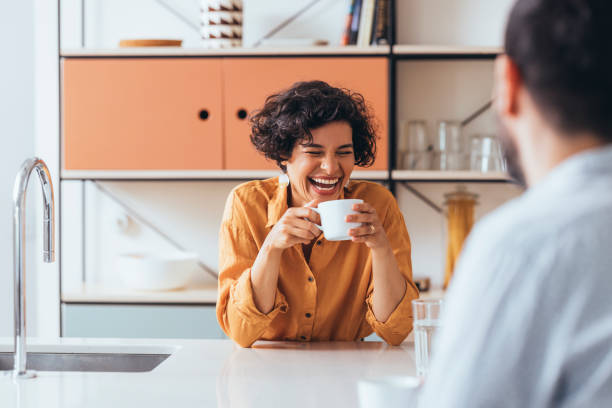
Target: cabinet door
140,321
248,81
142,114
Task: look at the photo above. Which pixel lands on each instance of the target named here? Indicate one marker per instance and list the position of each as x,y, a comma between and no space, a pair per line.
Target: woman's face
319,170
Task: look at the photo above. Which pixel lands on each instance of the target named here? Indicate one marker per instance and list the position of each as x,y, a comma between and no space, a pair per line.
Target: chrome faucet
19,219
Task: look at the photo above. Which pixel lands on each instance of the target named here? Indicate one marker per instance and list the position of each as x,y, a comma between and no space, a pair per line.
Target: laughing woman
280,279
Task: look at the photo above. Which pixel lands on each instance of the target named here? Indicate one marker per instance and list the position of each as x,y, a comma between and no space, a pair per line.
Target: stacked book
367,23
221,23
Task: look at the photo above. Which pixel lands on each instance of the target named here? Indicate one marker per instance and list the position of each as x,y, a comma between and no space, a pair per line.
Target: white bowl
156,271
388,392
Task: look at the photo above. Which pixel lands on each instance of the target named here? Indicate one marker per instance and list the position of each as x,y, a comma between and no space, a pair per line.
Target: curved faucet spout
19,257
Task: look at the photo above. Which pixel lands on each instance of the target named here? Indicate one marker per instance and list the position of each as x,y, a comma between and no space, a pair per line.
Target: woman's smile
318,169
325,186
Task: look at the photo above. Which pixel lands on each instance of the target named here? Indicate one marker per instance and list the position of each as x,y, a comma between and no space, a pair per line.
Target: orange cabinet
248,81
142,114
191,113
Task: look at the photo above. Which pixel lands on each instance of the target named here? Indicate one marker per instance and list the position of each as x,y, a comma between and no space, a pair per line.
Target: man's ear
507,85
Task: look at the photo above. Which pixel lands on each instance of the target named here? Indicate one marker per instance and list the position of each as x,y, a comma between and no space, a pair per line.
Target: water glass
426,325
450,138
413,146
416,133
449,161
485,154
415,161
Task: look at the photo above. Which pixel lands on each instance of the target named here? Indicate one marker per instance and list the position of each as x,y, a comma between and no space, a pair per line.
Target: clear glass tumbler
485,154
426,325
450,138
414,141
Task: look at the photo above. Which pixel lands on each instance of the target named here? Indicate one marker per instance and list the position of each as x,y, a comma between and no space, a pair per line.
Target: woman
279,278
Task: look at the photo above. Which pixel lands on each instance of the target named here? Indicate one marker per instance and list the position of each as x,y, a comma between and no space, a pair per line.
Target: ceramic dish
156,271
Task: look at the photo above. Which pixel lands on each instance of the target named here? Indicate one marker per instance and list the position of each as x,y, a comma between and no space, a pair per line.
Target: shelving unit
449,176
395,50
101,294
227,52
394,55
411,51
198,175
236,175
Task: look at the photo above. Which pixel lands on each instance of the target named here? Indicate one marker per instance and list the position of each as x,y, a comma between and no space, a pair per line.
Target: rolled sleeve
245,322
398,325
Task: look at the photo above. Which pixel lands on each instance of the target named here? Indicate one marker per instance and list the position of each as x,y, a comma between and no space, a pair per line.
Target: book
346,34
365,23
355,22
380,31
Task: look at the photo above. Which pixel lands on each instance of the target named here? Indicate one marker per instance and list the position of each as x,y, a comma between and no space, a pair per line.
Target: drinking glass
449,161
416,161
426,326
450,138
413,141
485,154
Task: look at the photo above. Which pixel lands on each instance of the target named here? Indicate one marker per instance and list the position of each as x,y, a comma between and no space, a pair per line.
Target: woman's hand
371,232
295,227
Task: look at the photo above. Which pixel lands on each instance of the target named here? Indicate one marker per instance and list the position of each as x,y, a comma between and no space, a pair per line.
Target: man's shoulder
527,221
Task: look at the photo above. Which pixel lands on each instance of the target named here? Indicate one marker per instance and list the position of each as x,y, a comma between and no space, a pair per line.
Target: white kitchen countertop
212,373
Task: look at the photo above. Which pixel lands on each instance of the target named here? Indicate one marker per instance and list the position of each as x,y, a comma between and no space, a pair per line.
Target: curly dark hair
288,117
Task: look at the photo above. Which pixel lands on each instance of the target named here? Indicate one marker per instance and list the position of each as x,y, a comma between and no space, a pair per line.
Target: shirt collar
278,203
580,168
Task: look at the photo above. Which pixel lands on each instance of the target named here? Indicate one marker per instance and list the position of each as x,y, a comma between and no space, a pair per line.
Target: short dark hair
288,117
562,49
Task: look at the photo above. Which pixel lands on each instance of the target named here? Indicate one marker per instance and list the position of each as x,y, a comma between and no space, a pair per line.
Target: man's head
554,85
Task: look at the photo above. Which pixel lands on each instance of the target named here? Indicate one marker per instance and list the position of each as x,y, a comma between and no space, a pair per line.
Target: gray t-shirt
528,320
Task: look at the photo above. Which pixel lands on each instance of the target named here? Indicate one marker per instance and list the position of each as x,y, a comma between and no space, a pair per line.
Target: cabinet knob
203,114
242,114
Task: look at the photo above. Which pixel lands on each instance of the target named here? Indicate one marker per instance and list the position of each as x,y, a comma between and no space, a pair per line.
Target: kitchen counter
213,373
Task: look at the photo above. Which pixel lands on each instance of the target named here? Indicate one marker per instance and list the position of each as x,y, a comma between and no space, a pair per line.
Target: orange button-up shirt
327,298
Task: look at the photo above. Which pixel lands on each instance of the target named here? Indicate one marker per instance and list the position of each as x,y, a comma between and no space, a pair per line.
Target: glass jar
460,219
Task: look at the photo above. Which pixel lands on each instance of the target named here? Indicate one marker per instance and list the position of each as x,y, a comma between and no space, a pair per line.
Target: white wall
451,22
46,135
17,138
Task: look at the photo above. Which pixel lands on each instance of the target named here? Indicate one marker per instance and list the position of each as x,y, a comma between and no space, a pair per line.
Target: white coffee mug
333,215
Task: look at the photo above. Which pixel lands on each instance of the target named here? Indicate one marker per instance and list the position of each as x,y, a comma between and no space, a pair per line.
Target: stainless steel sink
100,362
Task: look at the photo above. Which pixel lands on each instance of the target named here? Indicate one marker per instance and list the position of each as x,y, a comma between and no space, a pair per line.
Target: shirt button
303,337
310,279
319,242
308,315
283,308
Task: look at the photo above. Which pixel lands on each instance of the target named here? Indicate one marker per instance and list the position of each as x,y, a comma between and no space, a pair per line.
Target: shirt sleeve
399,324
236,311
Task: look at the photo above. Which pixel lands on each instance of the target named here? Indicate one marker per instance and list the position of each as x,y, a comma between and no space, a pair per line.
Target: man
528,319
